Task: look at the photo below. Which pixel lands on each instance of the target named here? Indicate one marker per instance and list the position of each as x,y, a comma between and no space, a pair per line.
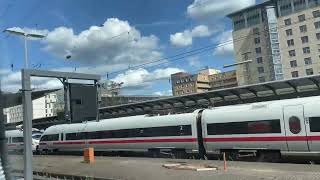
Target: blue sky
133,33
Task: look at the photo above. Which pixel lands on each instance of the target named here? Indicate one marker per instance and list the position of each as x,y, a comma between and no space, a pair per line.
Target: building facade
280,38
42,107
256,42
205,80
299,32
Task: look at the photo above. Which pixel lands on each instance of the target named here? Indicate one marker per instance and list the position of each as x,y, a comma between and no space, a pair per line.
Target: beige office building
281,38
299,32
207,79
256,44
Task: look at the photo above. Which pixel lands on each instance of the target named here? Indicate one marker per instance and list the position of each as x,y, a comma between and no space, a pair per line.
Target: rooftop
268,2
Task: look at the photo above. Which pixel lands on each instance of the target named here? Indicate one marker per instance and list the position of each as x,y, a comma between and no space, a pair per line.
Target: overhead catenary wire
200,50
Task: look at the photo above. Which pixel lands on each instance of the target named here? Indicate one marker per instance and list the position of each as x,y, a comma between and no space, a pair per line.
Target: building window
318,36
306,50
317,25
260,70
259,60
292,53
262,79
290,42
293,63
287,22
307,61
316,13
302,18
304,39
289,32
255,31
294,74
303,28
258,50
309,71
257,40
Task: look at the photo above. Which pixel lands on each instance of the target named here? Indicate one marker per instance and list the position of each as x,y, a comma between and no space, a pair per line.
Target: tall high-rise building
280,38
256,44
299,32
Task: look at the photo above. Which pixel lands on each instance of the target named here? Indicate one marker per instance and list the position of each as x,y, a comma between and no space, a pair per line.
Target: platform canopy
284,89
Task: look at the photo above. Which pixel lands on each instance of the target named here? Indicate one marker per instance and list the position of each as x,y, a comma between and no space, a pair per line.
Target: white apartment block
42,107
281,37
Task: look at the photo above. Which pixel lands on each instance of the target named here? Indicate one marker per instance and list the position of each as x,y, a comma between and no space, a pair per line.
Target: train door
295,126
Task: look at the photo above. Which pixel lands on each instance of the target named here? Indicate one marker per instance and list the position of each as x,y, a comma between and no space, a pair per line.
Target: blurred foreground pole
27,124
3,144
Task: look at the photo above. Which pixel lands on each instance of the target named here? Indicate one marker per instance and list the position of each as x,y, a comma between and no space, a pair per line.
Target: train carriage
137,133
284,127
265,129
15,140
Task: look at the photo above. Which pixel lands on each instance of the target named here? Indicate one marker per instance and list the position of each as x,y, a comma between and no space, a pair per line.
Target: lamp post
26,36
27,110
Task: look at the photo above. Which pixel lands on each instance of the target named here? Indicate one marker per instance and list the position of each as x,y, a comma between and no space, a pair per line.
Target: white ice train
267,129
15,140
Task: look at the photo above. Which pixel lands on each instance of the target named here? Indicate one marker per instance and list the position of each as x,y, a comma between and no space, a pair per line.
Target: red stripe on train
273,138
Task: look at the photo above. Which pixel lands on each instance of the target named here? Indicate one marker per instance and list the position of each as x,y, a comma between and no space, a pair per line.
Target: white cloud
4,72
225,44
194,61
163,93
213,8
181,38
185,38
141,77
114,43
11,80
201,31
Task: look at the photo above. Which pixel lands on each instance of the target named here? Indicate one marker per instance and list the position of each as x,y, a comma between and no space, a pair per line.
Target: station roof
283,89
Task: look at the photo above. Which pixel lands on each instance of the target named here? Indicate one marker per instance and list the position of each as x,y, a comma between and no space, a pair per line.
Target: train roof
124,123
270,104
14,133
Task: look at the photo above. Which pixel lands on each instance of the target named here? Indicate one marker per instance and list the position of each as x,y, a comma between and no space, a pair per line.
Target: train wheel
179,154
154,153
269,156
231,155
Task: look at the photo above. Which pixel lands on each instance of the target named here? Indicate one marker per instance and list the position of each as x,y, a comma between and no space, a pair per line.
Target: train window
76,136
314,123
245,127
183,130
36,136
294,125
50,137
17,139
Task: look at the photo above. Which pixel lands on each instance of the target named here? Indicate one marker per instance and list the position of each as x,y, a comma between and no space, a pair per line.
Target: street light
25,35
236,64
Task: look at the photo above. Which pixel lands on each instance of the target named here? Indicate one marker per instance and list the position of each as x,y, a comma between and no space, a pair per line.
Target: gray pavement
129,168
